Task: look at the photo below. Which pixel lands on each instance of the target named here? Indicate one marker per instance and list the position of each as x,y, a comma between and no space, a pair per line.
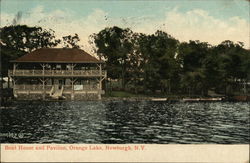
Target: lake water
125,122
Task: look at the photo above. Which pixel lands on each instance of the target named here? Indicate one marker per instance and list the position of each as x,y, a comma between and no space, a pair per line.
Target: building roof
58,55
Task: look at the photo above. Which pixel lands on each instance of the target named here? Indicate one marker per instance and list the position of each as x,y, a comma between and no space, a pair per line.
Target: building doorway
59,83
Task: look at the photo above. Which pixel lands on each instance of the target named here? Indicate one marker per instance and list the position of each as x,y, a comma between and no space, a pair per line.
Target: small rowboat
211,99
159,99
201,99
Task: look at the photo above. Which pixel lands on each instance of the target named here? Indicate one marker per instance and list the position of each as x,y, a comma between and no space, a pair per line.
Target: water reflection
126,122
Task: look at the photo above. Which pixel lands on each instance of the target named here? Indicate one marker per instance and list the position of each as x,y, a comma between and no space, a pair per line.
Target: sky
211,21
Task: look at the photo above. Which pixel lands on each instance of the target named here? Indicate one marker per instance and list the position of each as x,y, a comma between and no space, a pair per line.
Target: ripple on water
128,122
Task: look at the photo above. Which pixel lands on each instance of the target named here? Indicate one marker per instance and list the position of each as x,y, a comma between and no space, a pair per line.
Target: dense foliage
146,63
160,63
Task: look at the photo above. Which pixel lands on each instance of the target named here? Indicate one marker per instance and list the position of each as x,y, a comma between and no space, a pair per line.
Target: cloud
62,22
195,24
199,25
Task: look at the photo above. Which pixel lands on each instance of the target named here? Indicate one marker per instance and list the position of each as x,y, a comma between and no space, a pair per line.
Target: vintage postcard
125,81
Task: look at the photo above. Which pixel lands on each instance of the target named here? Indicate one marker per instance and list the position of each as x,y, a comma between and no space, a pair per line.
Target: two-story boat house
57,73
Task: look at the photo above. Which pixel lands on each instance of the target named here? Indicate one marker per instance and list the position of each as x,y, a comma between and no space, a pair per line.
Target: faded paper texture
150,153
125,81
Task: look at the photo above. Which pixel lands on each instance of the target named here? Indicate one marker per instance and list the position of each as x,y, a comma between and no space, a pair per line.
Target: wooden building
53,73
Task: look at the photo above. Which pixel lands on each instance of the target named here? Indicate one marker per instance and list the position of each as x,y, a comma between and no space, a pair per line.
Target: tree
8,54
115,46
159,62
24,38
233,61
192,56
71,41
160,67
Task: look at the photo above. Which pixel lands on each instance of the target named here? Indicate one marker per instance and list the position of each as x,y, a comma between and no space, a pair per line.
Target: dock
202,99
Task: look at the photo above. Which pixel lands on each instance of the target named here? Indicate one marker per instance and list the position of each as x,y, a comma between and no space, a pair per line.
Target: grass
125,94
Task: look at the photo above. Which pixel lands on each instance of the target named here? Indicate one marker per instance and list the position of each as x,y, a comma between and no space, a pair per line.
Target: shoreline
133,99
6,97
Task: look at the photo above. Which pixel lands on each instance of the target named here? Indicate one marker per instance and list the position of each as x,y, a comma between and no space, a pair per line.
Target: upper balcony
58,73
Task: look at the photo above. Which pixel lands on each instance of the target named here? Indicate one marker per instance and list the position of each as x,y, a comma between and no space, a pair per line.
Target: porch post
100,82
72,89
14,68
43,68
43,89
8,81
72,68
14,87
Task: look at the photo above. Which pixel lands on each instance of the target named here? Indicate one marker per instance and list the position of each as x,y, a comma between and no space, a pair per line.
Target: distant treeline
147,63
159,62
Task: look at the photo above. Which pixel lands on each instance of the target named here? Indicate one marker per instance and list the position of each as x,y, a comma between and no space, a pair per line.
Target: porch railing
39,87
58,73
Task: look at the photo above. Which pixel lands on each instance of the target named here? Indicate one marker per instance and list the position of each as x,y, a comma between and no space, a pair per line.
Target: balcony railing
29,87
58,73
